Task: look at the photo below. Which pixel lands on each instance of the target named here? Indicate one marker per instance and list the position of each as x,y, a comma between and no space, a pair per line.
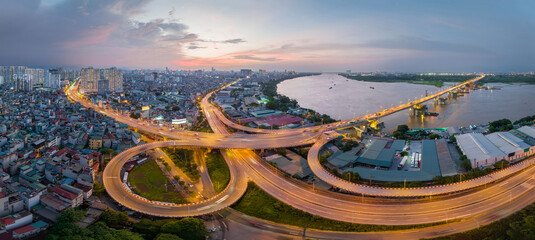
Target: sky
300,35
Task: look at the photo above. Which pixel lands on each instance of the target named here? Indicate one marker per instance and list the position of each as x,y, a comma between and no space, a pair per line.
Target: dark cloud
251,57
36,34
234,41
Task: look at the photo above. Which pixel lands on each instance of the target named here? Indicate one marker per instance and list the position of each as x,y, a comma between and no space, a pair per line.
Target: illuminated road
117,190
496,199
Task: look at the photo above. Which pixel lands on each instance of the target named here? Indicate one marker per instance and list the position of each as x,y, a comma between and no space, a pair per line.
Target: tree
167,236
98,189
115,219
71,215
501,164
186,228
281,151
403,128
399,135
134,115
434,136
465,163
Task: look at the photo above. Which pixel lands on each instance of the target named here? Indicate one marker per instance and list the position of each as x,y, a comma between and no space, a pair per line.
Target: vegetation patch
184,159
218,170
153,185
115,225
255,202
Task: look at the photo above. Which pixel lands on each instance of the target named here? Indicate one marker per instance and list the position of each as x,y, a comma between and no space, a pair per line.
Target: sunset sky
405,36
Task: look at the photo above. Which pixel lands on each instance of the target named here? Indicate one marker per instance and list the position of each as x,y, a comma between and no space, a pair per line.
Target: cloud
234,41
251,57
172,11
193,46
97,32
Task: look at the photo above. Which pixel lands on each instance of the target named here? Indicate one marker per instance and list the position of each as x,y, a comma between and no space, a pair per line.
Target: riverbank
283,103
432,80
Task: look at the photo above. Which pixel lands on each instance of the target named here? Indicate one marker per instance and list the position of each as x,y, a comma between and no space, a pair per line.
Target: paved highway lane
117,190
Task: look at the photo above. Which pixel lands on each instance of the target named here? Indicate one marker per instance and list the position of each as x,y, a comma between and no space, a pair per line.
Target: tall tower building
89,80
9,73
115,79
37,77
22,82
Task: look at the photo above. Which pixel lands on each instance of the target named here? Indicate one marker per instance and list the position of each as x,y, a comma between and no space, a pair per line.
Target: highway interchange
488,202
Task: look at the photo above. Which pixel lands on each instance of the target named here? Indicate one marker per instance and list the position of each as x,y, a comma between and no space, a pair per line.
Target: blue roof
39,224
430,158
67,181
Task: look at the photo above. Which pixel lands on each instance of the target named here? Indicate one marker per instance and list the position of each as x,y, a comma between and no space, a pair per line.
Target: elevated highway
246,165
122,194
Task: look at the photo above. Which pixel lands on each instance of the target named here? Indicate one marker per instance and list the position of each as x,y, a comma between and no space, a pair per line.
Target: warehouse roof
477,147
381,152
528,130
506,142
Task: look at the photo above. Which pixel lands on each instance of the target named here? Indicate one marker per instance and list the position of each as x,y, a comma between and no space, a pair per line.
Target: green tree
134,115
98,189
403,128
115,219
167,236
71,215
186,228
282,151
501,164
434,136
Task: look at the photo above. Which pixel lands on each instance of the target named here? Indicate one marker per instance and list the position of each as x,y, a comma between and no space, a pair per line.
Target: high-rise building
89,80
246,72
52,80
22,82
115,79
37,78
9,72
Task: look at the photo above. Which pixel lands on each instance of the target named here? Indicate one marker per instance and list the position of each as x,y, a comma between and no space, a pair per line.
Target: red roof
7,221
24,229
2,195
61,152
64,193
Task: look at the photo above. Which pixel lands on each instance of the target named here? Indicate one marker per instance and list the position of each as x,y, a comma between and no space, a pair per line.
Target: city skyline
417,36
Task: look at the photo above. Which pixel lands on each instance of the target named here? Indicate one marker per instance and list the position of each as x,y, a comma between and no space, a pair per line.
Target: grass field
148,181
255,202
218,170
184,159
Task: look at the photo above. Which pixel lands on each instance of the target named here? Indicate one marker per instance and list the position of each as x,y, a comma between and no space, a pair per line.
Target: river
343,98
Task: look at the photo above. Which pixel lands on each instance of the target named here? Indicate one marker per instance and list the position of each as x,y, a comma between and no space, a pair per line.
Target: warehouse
480,151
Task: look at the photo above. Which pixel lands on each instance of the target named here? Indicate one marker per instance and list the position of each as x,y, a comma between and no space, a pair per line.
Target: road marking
204,208
222,199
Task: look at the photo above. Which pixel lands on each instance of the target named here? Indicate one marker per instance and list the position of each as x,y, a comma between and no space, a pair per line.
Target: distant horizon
208,69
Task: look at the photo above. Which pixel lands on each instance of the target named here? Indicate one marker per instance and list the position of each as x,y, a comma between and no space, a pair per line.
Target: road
117,190
496,199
